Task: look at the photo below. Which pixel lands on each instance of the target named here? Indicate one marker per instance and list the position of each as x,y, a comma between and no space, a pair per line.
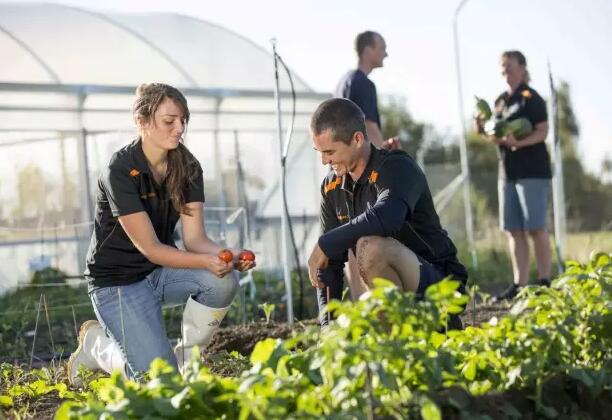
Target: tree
30,192
397,121
606,167
568,125
581,188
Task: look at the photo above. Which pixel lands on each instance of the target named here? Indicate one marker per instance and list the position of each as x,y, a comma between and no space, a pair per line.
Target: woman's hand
216,265
243,264
511,142
479,125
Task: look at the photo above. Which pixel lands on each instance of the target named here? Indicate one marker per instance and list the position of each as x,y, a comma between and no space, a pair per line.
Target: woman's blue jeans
131,315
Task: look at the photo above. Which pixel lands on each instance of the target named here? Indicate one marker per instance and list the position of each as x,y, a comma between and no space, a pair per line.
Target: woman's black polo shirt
526,162
127,186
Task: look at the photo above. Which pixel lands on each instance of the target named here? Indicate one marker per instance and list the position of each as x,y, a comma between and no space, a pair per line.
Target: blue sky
315,38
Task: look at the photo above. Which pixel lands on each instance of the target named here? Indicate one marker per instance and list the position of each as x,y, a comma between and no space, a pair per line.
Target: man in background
355,85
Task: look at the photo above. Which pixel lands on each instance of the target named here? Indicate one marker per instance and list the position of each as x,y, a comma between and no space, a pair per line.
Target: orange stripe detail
342,217
373,177
332,185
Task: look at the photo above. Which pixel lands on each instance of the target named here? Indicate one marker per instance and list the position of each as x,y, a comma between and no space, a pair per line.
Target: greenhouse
66,92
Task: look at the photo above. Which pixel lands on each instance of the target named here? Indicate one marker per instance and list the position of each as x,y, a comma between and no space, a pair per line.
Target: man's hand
392,144
318,260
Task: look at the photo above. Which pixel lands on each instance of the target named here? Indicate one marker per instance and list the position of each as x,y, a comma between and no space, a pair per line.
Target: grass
580,245
494,266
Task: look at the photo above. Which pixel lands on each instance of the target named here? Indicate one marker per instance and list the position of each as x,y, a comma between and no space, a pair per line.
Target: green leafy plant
386,356
268,309
48,275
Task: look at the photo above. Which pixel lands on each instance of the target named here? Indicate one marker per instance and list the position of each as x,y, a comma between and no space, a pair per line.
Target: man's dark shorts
430,274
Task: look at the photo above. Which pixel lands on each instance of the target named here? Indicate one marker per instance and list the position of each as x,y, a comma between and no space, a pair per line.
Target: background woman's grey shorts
523,203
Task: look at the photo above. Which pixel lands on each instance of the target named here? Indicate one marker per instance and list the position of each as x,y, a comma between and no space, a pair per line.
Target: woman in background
524,174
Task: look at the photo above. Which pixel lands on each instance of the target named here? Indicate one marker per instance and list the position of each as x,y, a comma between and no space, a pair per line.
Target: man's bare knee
370,255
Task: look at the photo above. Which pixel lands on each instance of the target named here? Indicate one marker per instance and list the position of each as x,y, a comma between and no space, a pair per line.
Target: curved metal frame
141,38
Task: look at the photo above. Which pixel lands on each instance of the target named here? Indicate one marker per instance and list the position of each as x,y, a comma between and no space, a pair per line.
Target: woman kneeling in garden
133,265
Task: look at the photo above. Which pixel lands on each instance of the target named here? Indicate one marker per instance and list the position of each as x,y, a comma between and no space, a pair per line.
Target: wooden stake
49,326
35,330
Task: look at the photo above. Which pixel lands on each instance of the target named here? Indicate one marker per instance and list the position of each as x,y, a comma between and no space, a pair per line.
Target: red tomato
226,255
247,255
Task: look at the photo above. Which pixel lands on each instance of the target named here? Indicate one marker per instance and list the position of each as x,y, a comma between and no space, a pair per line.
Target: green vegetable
483,110
520,128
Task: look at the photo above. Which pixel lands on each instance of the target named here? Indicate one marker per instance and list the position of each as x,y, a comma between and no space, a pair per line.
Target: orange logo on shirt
526,93
342,217
373,177
134,172
332,185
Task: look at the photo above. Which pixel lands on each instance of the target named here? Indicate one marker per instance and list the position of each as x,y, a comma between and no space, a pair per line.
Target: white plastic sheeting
67,83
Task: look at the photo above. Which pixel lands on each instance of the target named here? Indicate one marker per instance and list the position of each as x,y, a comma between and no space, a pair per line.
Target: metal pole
219,173
284,224
87,209
465,170
241,198
558,192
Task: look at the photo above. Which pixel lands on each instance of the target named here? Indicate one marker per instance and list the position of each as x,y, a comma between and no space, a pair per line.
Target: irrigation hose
285,153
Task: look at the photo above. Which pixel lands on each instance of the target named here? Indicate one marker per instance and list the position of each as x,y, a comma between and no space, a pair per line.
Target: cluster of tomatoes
227,255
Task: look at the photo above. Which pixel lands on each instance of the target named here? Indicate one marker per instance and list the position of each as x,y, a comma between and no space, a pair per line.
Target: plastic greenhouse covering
67,83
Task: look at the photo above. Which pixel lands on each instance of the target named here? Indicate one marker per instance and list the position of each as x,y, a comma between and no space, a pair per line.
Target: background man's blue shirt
356,86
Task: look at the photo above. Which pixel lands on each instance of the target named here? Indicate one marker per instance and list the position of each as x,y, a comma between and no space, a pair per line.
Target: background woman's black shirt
531,161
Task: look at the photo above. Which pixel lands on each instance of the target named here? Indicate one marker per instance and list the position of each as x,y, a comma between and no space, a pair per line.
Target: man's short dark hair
365,39
342,116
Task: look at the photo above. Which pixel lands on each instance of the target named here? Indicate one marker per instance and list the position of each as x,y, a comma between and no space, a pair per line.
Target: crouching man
377,203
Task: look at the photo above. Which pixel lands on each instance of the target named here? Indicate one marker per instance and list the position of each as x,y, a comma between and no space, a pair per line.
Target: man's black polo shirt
355,207
531,161
127,186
